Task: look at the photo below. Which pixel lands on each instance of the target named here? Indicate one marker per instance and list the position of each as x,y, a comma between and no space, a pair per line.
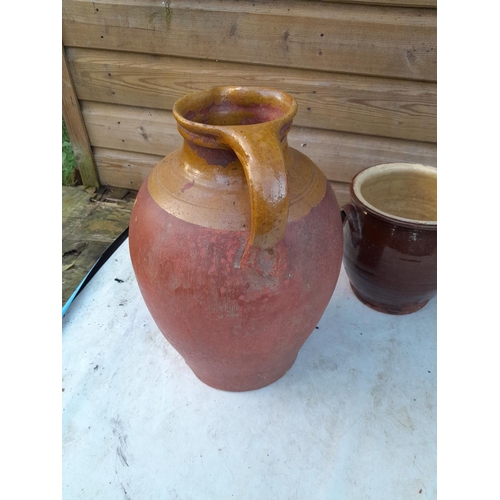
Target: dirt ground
92,219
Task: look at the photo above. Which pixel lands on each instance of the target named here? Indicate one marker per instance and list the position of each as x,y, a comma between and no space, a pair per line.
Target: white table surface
355,417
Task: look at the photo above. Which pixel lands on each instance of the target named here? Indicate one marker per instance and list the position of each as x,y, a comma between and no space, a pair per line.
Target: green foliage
68,159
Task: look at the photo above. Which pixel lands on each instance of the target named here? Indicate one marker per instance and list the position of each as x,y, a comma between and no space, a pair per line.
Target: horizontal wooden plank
355,39
341,191
365,105
339,155
122,168
140,130
129,170
426,4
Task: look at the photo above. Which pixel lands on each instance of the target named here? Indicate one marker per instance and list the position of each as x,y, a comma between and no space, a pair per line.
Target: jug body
390,237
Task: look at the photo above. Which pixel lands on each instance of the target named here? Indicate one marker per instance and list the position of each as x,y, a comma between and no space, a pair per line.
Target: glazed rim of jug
233,106
404,192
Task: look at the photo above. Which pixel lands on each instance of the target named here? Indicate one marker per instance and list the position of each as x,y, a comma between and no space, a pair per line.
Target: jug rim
285,106
363,175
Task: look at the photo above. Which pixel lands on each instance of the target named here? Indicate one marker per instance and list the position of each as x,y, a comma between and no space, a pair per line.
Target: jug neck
251,124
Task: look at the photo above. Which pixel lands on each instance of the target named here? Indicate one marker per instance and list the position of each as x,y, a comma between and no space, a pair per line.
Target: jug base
394,309
243,384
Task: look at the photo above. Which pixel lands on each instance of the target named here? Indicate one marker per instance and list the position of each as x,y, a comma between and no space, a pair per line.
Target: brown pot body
391,263
236,272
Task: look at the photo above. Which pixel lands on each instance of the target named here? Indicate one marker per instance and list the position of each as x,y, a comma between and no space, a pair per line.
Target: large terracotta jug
236,239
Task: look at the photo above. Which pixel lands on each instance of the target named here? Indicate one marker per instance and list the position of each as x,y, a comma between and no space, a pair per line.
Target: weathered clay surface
237,244
239,325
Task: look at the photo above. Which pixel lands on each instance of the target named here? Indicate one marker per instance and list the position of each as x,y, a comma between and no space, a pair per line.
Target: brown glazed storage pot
236,239
390,237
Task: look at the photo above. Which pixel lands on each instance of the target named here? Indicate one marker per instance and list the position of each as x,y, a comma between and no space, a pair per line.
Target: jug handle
261,153
349,213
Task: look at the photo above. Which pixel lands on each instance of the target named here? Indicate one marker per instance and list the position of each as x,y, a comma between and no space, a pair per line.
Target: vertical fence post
76,128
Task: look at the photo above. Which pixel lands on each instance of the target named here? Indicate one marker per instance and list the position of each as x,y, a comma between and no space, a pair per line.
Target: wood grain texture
426,4
127,128
130,170
341,191
365,105
339,155
122,168
356,39
76,128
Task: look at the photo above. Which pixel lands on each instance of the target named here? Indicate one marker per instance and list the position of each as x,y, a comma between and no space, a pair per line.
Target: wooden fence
363,74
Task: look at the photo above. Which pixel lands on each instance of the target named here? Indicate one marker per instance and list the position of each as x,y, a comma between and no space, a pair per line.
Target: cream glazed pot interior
401,191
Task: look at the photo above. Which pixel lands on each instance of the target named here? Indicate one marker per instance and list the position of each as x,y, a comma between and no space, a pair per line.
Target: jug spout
253,123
